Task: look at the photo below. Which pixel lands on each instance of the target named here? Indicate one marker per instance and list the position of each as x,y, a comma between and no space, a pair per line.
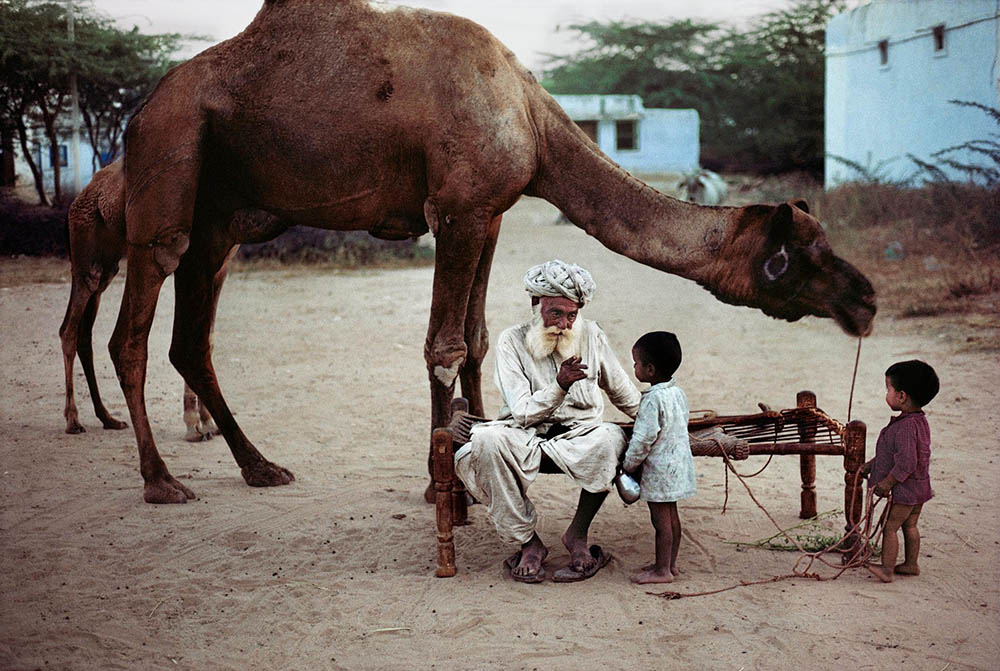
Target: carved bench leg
444,475
854,459
807,462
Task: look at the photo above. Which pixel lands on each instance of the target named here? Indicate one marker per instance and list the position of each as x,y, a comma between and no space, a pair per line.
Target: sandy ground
336,571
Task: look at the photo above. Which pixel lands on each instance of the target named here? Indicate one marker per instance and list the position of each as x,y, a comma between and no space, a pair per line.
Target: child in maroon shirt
901,463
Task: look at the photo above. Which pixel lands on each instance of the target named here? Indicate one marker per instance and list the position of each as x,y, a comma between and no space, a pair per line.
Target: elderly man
550,372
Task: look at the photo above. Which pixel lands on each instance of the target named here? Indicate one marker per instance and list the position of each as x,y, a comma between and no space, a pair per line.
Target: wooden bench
804,430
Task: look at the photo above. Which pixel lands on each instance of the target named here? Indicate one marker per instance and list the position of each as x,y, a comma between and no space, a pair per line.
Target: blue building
639,139
891,68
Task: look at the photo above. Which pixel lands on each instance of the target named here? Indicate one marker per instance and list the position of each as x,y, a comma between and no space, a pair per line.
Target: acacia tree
759,90
32,56
114,68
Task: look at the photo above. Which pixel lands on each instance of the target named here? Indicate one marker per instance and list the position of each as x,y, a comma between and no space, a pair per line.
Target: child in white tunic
660,449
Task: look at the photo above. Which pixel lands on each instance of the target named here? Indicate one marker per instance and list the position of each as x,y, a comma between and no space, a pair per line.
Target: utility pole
75,112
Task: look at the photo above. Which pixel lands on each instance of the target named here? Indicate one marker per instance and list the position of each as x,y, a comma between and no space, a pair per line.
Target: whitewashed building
639,139
891,68
45,156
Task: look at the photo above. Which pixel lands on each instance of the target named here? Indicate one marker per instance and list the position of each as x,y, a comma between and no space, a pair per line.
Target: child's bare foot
880,572
907,569
652,567
652,575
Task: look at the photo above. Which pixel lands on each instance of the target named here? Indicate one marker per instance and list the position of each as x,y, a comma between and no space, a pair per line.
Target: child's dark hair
916,378
662,349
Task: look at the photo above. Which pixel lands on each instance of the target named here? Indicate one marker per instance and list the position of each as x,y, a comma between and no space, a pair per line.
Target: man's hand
570,371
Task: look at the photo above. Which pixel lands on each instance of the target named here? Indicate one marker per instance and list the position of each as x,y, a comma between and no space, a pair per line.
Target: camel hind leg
76,334
79,298
148,266
85,350
197,417
198,281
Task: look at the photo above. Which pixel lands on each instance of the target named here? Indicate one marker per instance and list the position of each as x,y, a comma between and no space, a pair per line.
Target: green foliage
759,91
38,61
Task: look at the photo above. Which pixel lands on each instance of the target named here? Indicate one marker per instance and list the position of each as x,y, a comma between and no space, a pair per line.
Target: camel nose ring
781,256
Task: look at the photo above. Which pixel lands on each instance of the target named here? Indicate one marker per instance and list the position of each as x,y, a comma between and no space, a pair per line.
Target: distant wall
665,140
878,112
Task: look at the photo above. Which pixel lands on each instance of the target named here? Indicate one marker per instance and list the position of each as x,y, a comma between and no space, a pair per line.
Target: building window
938,33
590,128
625,135
60,155
883,52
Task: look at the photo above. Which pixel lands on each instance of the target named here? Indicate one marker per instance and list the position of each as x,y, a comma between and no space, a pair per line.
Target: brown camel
97,244
339,115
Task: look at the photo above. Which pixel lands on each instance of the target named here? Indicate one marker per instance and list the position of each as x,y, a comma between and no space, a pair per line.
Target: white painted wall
668,139
877,114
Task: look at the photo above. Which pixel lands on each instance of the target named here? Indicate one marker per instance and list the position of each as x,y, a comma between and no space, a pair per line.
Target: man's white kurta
504,455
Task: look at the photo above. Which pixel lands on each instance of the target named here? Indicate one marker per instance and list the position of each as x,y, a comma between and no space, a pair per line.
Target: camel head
793,272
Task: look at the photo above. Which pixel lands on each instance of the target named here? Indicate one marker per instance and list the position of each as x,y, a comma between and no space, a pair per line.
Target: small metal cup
628,488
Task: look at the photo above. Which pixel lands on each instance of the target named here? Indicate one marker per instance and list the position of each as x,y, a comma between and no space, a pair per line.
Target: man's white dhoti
504,456
501,460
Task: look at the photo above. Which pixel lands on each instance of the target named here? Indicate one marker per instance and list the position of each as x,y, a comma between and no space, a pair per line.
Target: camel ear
801,204
782,222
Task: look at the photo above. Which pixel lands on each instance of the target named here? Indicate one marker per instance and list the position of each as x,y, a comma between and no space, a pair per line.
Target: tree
759,91
114,68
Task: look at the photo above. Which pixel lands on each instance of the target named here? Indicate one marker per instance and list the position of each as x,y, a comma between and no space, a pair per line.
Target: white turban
556,278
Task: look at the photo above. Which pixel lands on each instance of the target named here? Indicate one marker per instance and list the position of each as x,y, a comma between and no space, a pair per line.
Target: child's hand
883,488
866,469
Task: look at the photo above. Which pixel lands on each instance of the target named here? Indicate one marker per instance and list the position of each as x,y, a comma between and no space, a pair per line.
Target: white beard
542,341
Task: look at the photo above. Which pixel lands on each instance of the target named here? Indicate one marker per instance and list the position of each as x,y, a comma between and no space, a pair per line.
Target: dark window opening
590,128
883,52
626,136
59,155
938,32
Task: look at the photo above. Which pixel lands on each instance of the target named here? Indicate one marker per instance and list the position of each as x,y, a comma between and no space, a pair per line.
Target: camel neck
623,213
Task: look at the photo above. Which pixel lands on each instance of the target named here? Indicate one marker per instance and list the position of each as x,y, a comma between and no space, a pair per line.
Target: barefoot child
901,463
660,449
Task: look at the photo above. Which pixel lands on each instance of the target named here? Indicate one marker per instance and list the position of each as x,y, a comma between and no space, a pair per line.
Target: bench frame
451,501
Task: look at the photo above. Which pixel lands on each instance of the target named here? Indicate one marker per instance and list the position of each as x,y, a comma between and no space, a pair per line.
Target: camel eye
777,265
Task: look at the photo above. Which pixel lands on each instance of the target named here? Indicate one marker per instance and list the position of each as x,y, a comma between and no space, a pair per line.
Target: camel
97,245
340,115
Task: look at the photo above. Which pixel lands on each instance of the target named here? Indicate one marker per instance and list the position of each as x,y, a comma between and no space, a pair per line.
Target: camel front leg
461,241
197,283
477,338
128,348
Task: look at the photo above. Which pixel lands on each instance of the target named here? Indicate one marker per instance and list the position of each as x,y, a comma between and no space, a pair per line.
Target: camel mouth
856,319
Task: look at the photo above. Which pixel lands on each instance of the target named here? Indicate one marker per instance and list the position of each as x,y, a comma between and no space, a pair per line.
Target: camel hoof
195,436
75,427
114,424
266,474
166,491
